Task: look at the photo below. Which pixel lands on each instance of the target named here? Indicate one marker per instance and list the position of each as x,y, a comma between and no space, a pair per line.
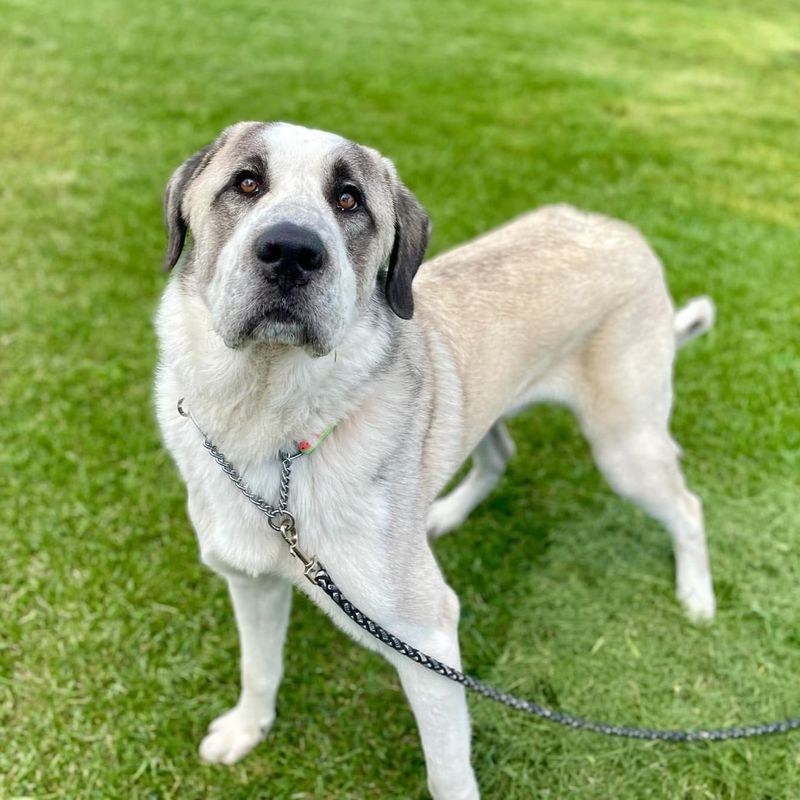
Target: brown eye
347,200
248,184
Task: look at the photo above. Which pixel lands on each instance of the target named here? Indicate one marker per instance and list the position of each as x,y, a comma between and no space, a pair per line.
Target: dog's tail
694,319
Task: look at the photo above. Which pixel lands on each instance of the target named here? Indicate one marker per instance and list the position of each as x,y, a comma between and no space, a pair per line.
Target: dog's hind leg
489,461
643,467
624,411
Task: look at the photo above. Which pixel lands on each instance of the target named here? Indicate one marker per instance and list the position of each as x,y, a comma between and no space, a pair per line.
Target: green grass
117,648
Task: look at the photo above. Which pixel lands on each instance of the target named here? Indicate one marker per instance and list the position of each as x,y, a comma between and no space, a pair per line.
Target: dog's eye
348,199
247,183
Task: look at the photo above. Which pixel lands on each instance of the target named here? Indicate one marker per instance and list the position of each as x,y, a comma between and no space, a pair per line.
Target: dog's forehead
292,151
295,144
297,155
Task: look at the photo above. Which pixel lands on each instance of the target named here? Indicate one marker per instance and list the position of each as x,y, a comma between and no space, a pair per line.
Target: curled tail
694,319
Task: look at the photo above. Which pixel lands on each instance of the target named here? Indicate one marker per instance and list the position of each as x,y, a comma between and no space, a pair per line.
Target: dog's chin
279,329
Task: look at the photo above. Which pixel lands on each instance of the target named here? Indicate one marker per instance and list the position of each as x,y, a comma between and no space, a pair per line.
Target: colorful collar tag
313,442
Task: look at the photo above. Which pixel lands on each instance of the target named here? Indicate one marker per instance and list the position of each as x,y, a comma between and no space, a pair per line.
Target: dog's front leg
261,606
423,610
440,709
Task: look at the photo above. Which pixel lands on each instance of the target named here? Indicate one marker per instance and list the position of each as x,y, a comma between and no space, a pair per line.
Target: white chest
336,495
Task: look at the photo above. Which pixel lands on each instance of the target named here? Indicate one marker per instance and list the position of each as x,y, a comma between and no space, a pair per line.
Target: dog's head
291,231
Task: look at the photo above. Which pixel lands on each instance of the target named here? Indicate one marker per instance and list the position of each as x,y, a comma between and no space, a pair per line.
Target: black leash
282,521
325,582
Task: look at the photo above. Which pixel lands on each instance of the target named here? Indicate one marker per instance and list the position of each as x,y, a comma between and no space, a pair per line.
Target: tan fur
522,306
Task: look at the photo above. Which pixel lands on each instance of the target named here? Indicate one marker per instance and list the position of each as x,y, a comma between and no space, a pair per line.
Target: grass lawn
117,647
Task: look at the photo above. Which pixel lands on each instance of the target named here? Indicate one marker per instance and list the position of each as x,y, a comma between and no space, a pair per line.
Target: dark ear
174,218
412,229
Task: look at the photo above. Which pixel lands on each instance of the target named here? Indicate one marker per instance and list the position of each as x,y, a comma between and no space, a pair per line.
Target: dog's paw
233,735
698,601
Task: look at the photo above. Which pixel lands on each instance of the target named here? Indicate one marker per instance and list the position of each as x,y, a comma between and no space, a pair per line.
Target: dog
293,310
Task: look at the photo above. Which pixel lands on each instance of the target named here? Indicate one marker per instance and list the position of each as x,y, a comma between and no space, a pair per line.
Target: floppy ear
412,228
174,218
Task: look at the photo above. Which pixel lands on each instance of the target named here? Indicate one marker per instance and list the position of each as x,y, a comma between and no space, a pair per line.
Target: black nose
290,254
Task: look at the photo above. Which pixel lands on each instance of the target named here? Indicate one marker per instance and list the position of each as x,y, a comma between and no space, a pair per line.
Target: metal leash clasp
311,565
283,522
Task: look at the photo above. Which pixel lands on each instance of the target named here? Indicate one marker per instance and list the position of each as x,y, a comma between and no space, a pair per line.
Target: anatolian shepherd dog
293,310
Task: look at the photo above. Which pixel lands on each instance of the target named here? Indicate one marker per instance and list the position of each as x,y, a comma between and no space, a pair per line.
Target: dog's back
523,302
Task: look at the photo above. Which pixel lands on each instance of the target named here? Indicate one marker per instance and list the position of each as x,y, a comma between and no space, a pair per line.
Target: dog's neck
277,394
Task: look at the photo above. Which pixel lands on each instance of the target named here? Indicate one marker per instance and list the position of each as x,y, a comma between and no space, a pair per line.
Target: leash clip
311,565
283,523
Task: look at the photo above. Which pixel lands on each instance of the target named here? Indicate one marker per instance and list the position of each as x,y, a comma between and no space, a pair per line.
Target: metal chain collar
282,521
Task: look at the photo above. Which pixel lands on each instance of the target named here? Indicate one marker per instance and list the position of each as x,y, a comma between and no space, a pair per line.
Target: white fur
694,319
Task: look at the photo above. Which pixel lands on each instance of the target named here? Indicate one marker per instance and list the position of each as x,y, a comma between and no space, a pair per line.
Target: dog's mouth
279,314
262,322
296,321
276,323
275,310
